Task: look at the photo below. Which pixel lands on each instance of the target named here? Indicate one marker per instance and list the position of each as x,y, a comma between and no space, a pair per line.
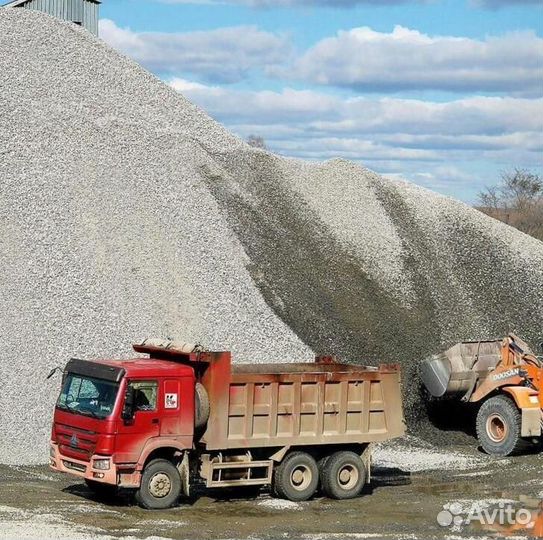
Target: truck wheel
498,427
201,406
296,478
160,485
343,475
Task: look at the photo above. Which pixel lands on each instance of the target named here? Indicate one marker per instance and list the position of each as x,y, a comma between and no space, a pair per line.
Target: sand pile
126,212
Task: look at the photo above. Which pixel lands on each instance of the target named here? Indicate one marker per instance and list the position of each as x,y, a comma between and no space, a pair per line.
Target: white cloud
360,59
365,60
223,55
488,118
412,138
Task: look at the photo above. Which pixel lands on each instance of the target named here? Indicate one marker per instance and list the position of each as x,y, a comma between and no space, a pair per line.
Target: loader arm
518,367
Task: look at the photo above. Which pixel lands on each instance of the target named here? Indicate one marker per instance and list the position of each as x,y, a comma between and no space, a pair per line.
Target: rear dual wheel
296,478
342,475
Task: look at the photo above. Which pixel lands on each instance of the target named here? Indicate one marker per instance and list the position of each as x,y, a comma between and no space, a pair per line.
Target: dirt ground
412,483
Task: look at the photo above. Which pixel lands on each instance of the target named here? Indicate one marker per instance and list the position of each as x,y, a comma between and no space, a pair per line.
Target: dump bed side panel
319,406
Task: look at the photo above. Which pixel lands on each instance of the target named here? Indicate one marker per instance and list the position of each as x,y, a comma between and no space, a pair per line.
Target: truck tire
160,485
296,478
343,475
201,406
498,427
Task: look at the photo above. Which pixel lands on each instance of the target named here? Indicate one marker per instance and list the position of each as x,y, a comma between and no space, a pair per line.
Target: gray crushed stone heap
127,212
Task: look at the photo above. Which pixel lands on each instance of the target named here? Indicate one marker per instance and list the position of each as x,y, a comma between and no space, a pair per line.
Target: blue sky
443,93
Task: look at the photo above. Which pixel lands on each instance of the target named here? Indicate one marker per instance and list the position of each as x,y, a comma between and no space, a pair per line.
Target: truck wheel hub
160,485
348,477
496,428
301,477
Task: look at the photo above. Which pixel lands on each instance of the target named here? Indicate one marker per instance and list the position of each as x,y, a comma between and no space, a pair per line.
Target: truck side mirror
53,371
129,402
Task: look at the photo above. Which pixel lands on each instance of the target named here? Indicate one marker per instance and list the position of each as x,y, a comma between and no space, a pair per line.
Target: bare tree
257,141
517,200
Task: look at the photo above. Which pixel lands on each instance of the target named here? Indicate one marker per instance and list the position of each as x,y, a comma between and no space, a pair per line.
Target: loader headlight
101,464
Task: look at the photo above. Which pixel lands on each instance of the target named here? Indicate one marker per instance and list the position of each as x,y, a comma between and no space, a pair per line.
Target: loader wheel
343,475
160,485
498,427
296,478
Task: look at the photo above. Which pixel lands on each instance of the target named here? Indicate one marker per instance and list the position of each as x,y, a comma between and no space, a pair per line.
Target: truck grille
74,466
75,442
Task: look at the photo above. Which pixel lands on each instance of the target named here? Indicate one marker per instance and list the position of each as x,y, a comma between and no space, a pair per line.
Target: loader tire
343,475
296,478
201,406
160,485
498,427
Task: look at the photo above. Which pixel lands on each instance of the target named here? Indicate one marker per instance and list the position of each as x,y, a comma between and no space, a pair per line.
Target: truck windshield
87,396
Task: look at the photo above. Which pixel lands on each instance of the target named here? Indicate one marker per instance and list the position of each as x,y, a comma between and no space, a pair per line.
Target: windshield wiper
87,412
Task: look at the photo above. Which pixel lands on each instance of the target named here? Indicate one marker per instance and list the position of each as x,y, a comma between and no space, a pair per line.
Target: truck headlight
101,464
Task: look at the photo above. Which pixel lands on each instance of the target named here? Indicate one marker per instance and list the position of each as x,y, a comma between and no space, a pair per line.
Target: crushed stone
127,212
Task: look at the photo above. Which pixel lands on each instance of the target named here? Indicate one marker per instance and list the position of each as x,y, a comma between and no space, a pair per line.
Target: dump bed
262,405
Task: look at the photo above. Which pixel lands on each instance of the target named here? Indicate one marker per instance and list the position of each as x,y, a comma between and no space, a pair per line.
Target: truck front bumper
83,469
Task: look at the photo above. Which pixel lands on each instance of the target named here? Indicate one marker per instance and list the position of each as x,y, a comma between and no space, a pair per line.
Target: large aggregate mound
127,212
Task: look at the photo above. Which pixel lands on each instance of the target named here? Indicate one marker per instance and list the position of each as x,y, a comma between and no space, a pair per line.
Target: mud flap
531,422
366,459
184,472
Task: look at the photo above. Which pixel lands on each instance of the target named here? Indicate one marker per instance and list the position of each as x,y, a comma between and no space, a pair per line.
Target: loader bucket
453,373
435,373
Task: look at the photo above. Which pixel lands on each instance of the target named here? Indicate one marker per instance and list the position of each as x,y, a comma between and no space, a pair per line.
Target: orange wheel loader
504,378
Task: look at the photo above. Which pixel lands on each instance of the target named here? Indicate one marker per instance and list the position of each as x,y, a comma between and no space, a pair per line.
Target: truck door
145,424
177,407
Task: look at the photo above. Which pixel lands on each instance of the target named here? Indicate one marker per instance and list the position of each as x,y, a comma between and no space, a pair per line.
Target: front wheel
498,427
160,485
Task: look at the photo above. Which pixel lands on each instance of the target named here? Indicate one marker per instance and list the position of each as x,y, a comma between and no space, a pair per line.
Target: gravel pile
127,212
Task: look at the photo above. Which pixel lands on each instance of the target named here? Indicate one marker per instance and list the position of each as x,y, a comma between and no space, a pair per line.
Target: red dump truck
183,416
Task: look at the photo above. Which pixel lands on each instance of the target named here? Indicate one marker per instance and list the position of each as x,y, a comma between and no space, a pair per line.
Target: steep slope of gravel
125,211
107,232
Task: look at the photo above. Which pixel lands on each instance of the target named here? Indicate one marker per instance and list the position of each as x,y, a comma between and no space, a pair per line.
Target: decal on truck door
170,401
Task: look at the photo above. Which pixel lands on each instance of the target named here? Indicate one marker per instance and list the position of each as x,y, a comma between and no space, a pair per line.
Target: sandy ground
412,484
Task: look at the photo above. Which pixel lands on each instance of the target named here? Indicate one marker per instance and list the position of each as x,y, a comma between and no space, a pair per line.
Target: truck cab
111,415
